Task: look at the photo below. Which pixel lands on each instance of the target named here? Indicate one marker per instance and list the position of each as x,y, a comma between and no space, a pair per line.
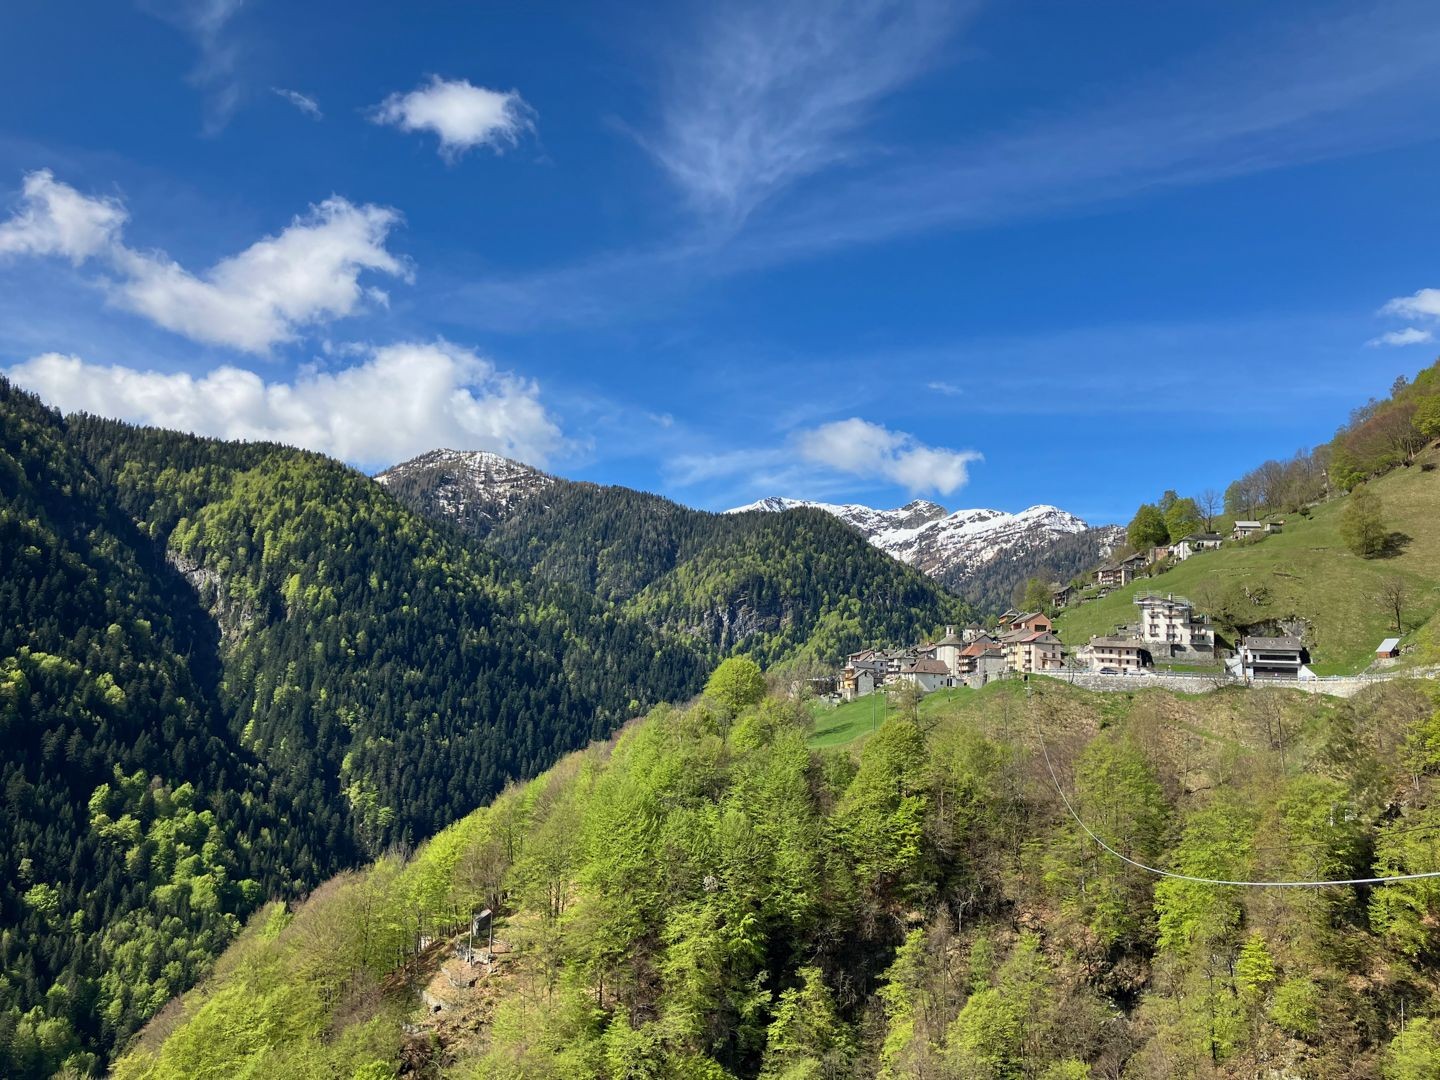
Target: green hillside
228,671
1307,572
779,587
709,897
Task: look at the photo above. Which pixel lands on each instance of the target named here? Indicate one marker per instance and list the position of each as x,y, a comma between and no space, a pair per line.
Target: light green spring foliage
737,684
711,898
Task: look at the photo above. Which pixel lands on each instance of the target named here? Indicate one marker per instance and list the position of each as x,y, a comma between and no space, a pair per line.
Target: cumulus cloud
304,102
306,274
1422,305
402,400
463,115
1411,335
862,448
55,219
818,461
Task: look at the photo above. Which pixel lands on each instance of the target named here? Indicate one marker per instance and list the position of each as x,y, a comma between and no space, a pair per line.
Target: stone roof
1118,642
1274,644
925,667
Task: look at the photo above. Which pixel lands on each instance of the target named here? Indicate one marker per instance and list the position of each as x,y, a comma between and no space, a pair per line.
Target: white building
927,674
1115,655
1272,658
1171,627
948,650
1196,543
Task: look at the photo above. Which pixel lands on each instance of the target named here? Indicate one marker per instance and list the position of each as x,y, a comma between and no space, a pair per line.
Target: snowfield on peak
952,546
469,486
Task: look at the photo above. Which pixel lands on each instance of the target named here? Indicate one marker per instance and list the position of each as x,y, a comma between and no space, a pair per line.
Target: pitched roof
925,667
1390,644
1274,644
1118,642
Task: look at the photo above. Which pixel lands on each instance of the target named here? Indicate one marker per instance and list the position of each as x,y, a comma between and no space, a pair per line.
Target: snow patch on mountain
469,485
939,542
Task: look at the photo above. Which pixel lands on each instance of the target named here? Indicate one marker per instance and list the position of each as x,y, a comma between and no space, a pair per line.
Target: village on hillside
1167,632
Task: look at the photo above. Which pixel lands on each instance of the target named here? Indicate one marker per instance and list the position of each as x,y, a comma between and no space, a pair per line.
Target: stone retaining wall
1339,686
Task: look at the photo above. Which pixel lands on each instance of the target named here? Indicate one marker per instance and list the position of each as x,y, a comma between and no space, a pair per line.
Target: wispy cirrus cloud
304,102
306,274
398,401
1345,81
217,72
774,92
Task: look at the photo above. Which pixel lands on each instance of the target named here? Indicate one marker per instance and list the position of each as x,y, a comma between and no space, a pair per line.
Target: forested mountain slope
777,586
137,829
983,555
230,670
709,897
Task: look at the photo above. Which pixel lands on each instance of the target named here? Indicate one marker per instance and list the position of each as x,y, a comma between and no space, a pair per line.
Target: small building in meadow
1196,543
857,681
1389,649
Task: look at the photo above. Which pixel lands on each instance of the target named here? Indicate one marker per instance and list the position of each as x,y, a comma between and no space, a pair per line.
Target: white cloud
774,90
307,274
55,219
217,72
1411,335
1424,304
304,102
402,400
862,448
949,389
464,116
811,462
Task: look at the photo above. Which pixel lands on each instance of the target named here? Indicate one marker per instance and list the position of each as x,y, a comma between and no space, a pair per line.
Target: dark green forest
778,587
229,670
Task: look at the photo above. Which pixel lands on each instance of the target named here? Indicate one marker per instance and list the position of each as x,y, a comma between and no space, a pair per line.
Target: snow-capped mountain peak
952,545
474,486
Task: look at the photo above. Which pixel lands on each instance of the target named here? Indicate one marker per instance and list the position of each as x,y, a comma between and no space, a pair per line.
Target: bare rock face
474,488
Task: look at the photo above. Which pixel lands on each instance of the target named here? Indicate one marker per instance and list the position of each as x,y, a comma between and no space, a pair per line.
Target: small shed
1389,648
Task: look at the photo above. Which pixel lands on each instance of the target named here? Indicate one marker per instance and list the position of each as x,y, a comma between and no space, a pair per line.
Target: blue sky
991,254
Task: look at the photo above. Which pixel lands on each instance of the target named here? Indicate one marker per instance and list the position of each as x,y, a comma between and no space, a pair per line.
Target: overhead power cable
1387,879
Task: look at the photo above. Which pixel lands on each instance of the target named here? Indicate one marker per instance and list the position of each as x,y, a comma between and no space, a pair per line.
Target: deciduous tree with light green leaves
737,684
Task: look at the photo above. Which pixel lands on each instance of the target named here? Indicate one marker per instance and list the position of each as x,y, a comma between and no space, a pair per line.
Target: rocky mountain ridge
474,488
951,546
